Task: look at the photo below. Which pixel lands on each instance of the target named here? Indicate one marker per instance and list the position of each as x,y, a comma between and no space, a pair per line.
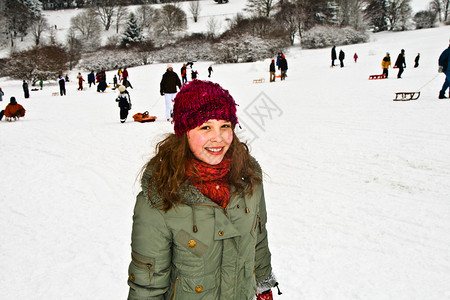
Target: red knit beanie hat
199,101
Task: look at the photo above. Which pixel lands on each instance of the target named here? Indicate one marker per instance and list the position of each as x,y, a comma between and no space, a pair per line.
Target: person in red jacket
13,110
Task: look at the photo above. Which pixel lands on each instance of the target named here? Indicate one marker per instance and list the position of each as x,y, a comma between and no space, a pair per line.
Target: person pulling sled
443,68
124,103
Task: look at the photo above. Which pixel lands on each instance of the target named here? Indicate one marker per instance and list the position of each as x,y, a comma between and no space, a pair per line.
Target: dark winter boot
442,95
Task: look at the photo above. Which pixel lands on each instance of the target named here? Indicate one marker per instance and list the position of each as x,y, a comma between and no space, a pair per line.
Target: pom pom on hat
122,88
199,101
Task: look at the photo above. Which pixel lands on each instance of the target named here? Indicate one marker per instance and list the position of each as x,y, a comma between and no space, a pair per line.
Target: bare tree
442,8
446,10
194,8
52,36
121,14
261,8
145,15
288,19
74,47
87,28
38,28
105,10
351,13
436,6
86,24
398,12
212,26
169,19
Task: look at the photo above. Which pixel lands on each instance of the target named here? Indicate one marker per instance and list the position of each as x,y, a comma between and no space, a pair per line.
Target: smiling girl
199,222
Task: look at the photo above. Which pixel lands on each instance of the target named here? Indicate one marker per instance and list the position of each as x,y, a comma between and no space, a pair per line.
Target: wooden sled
260,80
406,96
373,77
55,94
144,117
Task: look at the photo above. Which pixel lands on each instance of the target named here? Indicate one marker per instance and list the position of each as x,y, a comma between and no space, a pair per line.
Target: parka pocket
198,285
141,269
192,244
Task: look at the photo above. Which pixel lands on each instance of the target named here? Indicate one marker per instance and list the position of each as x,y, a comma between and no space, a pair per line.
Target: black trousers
123,114
400,72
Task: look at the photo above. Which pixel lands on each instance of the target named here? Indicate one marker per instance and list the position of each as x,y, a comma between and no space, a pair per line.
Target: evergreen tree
132,34
376,13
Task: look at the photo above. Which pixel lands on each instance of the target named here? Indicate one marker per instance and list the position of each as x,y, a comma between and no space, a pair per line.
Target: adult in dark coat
333,55
168,88
91,78
283,67
26,92
416,60
341,58
210,69
400,63
443,67
272,71
62,85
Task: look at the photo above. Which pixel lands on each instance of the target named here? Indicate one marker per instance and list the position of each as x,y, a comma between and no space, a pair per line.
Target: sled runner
259,80
406,96
381,76
143,117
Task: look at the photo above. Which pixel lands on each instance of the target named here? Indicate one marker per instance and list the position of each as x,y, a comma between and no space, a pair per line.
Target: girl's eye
204,127
226,126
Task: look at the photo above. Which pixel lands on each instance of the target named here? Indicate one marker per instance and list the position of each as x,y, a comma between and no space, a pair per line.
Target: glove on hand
162,93
267,295
441,69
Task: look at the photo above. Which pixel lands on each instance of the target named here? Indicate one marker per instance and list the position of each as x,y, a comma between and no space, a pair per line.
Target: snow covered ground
357,185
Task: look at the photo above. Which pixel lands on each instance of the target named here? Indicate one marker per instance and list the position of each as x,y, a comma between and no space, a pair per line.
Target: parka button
198,289
192,243
132,277
220,232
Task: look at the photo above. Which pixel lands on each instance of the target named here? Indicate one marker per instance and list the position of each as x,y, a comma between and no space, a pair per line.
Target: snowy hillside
357,185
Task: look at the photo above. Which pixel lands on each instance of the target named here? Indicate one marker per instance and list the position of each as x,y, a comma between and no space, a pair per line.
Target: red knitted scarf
212,182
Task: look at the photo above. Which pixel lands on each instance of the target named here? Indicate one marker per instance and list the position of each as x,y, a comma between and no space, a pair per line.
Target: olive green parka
198,250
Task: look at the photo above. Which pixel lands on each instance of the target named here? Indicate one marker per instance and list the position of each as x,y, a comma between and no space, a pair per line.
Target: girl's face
210,141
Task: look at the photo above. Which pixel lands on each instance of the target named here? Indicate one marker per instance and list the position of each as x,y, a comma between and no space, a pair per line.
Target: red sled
144,117
373,77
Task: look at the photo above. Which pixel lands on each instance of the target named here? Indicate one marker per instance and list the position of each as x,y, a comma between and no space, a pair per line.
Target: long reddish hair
168,168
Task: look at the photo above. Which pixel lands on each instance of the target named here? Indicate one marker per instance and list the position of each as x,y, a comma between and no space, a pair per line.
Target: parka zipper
142,263
175,288
259,223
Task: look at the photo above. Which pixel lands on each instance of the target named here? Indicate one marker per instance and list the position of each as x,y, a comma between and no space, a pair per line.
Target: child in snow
80,81
199,224
124,103
13,111
194,74
210,70
1,94
385,63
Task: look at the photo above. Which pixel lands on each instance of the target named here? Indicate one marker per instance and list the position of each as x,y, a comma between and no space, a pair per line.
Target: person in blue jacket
91,78
443,68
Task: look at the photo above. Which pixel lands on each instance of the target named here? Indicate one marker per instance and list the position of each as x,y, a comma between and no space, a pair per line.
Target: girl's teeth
214,150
